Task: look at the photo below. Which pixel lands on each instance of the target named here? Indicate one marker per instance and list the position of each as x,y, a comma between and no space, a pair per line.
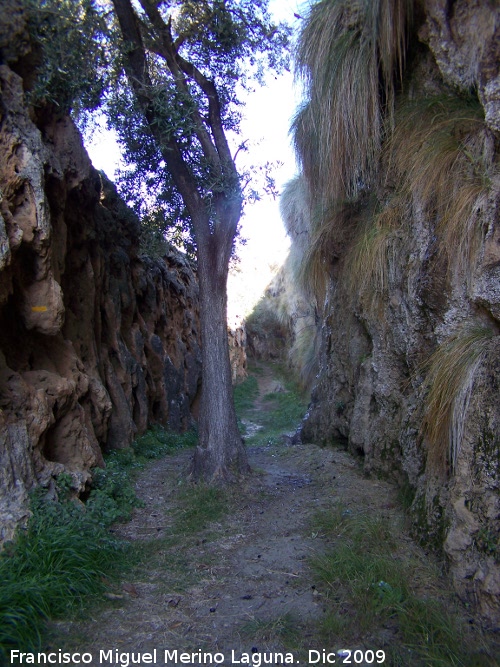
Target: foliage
159,442
152,240
345,51
60,559
112,496
369,582
82,62
228,43
277,412
66,553
449,377
71,37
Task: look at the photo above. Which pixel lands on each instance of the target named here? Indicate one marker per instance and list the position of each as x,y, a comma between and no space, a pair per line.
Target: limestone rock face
465,44
409,371
237,338
96,342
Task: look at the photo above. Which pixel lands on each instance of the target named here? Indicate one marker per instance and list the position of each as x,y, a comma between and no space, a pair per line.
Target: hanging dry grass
345,50
450,374
437,149
304,354
295,210
327,243
367,266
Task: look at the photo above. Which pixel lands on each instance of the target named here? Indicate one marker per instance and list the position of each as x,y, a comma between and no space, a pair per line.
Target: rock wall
237,339
96,342
409,371
282,325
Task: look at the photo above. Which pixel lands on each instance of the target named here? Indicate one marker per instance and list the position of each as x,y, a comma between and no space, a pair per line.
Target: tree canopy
229,43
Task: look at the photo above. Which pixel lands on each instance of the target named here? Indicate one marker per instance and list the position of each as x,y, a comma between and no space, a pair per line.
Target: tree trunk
221,454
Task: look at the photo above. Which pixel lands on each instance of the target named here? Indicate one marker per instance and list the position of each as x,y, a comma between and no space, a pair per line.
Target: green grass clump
159,442
245,395
199,506
65,554
284,410
61,557
370,582
279,411
284,629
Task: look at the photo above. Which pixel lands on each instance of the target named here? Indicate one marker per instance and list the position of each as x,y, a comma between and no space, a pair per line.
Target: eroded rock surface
96,342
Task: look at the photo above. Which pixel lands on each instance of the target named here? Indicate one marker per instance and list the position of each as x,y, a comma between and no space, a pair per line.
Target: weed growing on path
371,584
199,506
282,629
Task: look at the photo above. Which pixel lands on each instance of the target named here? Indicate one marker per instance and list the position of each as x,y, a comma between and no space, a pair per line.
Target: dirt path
243,584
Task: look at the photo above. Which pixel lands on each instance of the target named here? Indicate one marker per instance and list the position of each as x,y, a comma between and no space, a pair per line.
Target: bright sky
267,117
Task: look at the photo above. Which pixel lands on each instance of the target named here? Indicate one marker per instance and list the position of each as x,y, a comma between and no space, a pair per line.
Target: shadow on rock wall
96,342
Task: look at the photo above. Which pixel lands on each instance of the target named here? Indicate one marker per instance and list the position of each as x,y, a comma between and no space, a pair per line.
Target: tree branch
137,73
227,203
168,52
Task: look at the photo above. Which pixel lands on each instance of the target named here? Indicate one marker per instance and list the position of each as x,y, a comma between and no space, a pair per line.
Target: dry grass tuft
438,155
304,354
295,210
369,260
345,51
450,373
438,150
327,243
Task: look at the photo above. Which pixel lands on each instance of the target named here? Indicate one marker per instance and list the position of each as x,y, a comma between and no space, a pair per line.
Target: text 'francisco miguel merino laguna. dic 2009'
175,657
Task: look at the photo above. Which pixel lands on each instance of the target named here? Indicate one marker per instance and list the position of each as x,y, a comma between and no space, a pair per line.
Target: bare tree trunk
221,454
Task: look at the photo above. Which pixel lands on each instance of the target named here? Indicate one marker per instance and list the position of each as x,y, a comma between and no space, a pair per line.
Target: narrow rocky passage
243,583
